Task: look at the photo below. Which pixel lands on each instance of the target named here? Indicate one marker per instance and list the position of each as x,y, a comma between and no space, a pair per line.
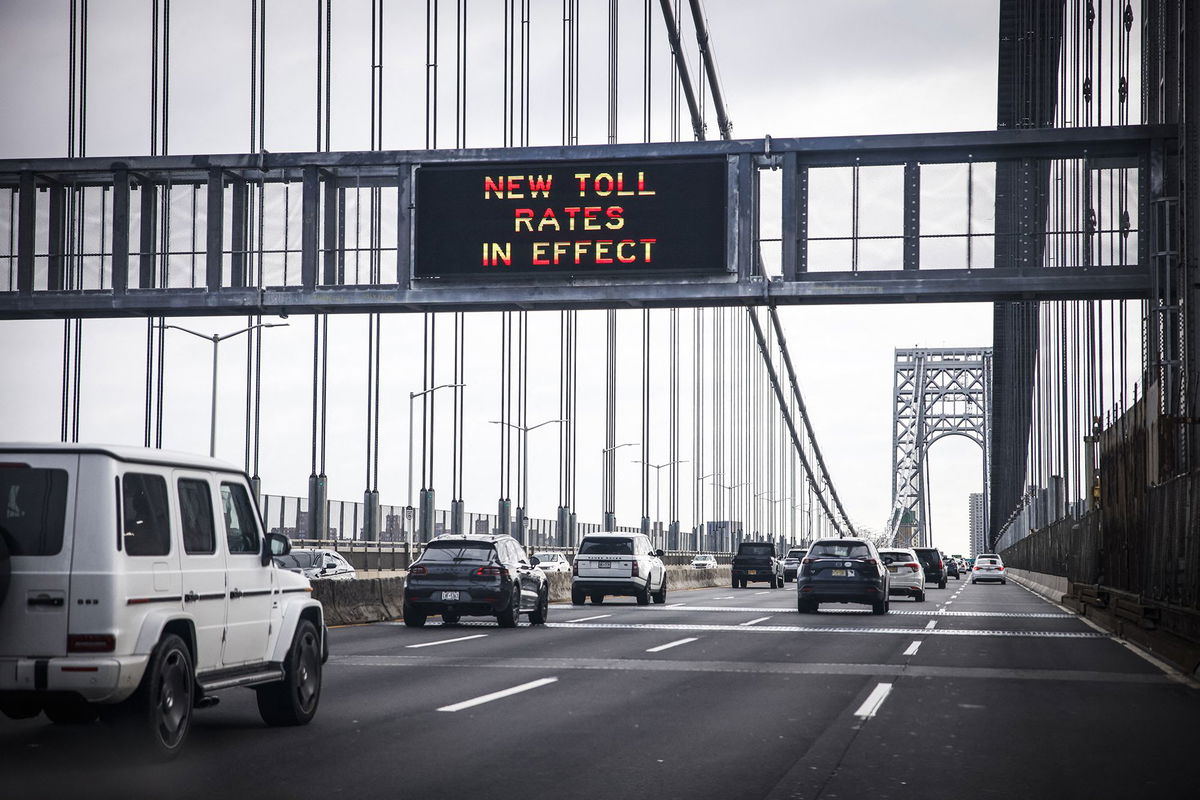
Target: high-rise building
977,532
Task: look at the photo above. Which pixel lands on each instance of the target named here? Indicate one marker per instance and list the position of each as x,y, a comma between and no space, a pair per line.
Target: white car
553,562
137,583
317,563
907,575
988,567
704,561
618,564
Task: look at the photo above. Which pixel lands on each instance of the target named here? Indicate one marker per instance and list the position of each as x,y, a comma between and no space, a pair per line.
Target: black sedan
475,575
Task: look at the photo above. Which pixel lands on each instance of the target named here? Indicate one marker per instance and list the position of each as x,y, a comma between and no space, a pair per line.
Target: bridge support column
572,530
504,514
562,532
519,531
673,536
371,515
610,521
457,516
425,527
318,508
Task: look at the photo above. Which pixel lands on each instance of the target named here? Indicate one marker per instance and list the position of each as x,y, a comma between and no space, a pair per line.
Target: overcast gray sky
788,68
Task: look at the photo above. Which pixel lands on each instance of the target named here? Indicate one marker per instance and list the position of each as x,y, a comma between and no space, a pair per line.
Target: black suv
476,576
952,568
842,571
756,561
934,565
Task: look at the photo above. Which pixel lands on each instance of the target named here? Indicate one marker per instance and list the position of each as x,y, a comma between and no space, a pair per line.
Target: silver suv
137,583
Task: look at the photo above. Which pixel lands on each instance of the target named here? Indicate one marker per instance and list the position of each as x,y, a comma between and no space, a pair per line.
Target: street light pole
604,510
216,340
412,396
525,429
658,484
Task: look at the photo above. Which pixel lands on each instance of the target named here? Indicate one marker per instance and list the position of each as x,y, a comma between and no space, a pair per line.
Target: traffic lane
1004,739
1049,653
380,731
727,640
633,734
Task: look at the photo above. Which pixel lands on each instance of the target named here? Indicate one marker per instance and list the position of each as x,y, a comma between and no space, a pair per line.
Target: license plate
751,572
893,569
841,573
449,595
604,565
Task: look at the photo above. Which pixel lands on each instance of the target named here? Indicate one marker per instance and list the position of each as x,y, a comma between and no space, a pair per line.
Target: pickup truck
756,561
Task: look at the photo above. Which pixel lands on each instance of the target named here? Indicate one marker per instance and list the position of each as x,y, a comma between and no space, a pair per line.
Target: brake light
635,572
941,564
418,569
976,569
492,571
870,561
575,568
1001,569
913,565
91,643
808,561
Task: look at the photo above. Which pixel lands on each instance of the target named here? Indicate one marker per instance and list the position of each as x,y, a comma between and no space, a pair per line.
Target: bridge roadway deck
994,693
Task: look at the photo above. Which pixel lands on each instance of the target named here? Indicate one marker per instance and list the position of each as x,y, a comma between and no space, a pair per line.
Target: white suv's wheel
294,700
159,714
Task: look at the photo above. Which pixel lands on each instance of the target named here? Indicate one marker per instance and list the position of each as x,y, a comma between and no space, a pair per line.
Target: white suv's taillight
91,643
635,573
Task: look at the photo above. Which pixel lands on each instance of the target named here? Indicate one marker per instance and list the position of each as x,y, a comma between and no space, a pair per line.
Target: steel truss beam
939,392
321,183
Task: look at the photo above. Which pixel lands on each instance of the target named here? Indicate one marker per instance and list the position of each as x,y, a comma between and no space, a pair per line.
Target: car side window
240,529
517,553
145,513
196,517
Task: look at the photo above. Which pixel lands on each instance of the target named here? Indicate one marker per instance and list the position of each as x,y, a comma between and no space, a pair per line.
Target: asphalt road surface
981,691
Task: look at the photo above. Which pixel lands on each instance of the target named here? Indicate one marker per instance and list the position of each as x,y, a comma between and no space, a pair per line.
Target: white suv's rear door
37,521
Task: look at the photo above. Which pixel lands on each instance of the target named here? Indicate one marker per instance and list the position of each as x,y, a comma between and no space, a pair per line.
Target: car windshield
756,550
841,550
546,556
895,555
299,559
929,556
606,547
796,553
458,551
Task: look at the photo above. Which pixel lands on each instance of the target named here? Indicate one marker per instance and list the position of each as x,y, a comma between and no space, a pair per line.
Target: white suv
618,564
135,583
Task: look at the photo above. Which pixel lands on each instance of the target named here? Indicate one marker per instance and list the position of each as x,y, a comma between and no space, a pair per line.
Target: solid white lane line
674,605
755,621
589,619
487,698
932,624
913,648
874,701
728,597
758,593
669,645
447,641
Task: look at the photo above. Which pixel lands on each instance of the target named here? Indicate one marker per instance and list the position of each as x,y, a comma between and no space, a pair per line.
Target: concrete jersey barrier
355,602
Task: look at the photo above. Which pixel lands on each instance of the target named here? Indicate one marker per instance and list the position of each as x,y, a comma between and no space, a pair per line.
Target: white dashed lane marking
447,641
932,624
912,649
669,645
755,621
589,619
487,698
874,700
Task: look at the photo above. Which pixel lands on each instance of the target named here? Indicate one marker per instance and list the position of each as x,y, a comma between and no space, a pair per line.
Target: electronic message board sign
571,219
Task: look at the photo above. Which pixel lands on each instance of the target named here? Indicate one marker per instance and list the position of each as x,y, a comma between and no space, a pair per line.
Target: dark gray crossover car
475,576
842,571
